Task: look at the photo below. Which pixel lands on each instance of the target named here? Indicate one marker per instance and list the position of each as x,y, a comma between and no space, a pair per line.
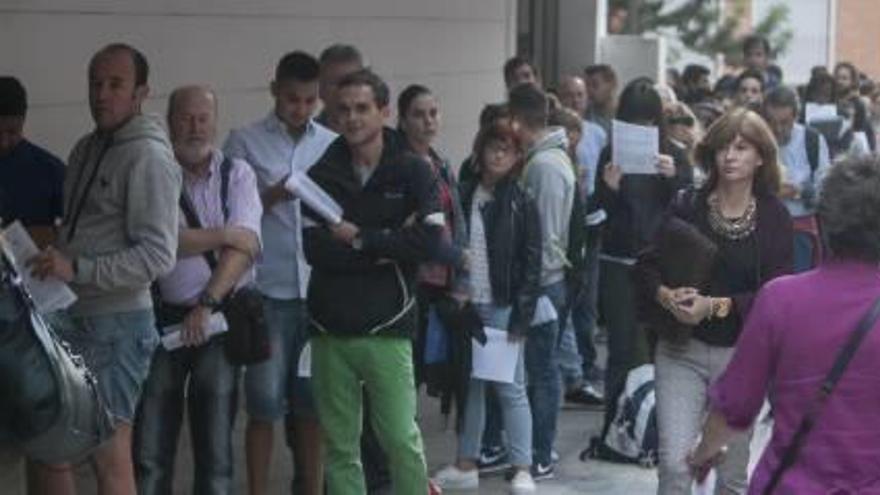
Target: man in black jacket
360,297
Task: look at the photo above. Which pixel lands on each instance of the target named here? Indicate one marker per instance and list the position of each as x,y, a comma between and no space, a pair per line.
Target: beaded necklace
732,228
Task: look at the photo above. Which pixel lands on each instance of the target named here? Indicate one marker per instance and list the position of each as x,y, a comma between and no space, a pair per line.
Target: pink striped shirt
191,274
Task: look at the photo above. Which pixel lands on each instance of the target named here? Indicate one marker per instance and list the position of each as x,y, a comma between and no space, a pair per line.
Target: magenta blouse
791,338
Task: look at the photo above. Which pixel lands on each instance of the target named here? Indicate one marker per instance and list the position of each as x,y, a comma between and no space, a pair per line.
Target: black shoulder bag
844,356
247,341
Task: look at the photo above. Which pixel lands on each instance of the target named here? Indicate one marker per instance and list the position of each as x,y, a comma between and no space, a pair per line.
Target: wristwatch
357,243
208,301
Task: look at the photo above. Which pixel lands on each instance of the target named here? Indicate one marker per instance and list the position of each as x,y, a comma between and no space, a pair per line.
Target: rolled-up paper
304,188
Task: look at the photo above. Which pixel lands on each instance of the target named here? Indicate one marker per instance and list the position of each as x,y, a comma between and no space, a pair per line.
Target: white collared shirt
593,140
273,153
796,164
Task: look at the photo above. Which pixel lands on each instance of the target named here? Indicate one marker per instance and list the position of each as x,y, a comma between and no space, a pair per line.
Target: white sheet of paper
596,218
217,324
49,295
635,147
816,112
313,196
495,361
304,367
707,487
545,312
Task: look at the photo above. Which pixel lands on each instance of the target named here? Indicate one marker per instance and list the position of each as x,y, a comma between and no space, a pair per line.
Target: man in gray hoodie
549,177
118,235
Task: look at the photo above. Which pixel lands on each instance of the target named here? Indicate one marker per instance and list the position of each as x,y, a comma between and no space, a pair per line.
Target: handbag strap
844,356
192,218
74,213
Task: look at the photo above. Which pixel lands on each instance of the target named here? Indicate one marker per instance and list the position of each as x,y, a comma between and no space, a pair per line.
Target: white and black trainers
493,460
543,471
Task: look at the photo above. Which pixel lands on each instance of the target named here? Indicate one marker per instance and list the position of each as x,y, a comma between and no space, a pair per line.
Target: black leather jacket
636,211
513,241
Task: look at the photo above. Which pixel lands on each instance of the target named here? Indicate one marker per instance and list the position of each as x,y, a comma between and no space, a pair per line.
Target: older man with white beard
199,374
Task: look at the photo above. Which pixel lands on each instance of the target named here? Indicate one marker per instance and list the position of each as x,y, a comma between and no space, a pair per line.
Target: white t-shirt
480,283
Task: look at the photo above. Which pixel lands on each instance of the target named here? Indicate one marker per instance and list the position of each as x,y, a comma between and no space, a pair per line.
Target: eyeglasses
500,148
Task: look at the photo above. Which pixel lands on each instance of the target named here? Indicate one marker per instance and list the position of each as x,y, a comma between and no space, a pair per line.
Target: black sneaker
493,460
542,472
586,395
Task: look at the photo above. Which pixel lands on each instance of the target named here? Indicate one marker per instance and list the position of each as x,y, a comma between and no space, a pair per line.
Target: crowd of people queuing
538,234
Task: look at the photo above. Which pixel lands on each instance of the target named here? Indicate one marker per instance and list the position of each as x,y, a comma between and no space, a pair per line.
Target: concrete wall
634,56
581,22
809,21
456,47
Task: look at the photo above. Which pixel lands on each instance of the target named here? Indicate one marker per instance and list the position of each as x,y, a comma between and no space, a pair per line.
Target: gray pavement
576,425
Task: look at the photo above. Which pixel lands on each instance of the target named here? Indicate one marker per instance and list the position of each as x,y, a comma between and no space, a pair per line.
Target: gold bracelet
720,307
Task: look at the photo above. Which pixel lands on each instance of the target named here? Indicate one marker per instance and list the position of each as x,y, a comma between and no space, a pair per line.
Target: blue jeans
117,348
568,358
585,313
272,387
207,383
803,251
544,382
513,400
577,353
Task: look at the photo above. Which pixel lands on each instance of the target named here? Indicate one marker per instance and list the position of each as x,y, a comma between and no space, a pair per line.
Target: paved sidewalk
576,425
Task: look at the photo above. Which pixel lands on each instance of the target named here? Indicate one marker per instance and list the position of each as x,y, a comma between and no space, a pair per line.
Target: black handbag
685,258
52,409
247,341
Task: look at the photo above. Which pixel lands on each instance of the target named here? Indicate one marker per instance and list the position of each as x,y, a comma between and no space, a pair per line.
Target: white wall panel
456,47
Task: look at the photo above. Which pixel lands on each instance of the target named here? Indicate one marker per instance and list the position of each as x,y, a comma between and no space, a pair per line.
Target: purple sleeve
740,390
245,208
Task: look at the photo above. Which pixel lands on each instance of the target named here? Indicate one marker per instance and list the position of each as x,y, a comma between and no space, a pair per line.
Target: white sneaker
453,478
522,482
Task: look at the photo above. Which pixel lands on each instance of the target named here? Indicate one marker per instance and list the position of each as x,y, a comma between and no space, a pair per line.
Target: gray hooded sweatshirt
549,177
126,231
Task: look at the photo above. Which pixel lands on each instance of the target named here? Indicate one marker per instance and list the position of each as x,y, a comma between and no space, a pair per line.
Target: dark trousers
627,343
203,380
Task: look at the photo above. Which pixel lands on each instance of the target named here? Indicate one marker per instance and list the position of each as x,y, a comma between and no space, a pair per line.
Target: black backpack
812,139
576,252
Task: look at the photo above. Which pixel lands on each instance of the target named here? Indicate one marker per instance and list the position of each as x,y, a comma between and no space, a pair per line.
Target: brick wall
858,34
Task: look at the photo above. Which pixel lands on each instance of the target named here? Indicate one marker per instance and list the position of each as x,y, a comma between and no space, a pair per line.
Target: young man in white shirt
285,141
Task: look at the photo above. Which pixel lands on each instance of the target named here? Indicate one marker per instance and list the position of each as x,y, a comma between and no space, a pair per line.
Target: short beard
192,154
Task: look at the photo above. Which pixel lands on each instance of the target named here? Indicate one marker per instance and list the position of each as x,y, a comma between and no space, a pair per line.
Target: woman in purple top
790,341
699,317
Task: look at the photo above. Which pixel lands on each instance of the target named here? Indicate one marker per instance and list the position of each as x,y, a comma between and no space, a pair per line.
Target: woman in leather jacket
503,262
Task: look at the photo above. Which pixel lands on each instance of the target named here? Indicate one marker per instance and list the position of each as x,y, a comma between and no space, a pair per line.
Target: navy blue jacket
369,290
